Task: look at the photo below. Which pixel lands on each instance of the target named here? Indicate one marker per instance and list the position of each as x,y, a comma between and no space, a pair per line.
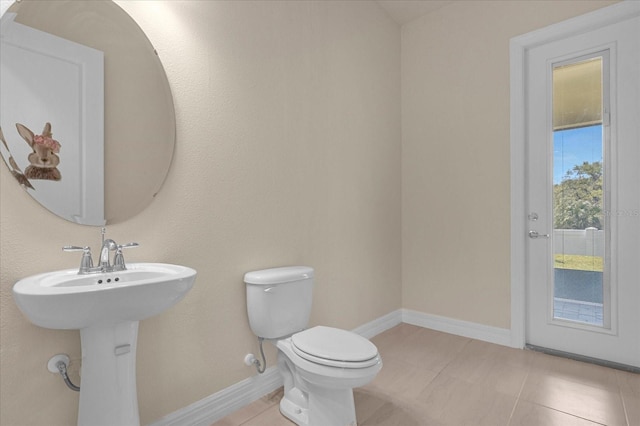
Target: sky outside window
575,146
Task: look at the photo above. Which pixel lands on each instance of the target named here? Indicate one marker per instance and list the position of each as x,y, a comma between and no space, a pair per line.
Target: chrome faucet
107,246
104,263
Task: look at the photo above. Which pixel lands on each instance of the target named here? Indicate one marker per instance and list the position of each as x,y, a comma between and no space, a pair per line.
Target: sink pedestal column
108,383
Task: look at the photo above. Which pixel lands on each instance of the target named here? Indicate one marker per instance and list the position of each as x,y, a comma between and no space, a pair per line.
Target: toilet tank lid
278,275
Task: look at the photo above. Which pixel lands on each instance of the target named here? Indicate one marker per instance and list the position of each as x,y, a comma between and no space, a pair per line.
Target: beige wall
455,154
288,152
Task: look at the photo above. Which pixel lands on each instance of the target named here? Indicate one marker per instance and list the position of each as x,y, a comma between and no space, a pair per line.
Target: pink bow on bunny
47,142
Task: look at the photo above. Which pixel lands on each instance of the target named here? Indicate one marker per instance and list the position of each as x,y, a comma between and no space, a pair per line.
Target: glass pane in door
578,192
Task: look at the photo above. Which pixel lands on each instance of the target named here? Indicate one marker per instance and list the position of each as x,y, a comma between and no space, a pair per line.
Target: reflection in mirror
135,119
49,81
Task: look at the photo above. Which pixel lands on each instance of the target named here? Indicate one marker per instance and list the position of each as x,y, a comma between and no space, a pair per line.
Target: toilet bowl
321,365
319,377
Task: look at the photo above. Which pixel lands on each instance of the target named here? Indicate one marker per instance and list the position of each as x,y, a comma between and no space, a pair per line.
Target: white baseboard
379,325
222,403
500,336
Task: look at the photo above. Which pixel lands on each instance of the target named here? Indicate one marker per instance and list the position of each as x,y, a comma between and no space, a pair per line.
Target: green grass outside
578,262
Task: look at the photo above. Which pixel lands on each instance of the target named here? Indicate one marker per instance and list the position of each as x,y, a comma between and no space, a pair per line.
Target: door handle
534,235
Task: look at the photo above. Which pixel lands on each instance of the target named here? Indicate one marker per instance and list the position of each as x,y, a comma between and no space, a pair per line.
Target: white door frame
518,49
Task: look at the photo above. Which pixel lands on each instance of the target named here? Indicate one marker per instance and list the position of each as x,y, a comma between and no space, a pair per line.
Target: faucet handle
86,262
118,260
128,245
76,248
86,250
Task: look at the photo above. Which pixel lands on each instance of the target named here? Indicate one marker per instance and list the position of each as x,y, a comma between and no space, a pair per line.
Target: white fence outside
585,242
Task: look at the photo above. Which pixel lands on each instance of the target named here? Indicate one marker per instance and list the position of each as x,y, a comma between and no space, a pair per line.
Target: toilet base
294,412
327,407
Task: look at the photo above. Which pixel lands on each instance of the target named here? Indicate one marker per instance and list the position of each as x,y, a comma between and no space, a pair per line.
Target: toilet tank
279,300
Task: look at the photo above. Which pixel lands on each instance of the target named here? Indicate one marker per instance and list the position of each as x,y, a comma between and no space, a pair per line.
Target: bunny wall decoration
44,159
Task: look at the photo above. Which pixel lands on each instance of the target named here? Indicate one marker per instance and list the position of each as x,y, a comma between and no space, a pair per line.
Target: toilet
320,365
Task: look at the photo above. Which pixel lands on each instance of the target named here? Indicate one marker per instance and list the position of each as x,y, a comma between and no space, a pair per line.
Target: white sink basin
66,300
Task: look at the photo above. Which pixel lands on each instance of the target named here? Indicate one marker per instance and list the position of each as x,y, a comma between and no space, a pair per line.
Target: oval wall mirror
86,113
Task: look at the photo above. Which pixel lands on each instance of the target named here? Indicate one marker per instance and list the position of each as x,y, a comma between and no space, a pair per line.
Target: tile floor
433,378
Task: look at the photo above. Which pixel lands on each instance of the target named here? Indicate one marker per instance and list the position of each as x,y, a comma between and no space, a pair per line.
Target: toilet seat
334,347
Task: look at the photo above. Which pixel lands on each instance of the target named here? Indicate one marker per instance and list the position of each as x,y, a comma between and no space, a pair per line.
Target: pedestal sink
106,308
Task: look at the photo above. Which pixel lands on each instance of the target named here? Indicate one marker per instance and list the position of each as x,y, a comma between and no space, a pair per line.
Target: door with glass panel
583,194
